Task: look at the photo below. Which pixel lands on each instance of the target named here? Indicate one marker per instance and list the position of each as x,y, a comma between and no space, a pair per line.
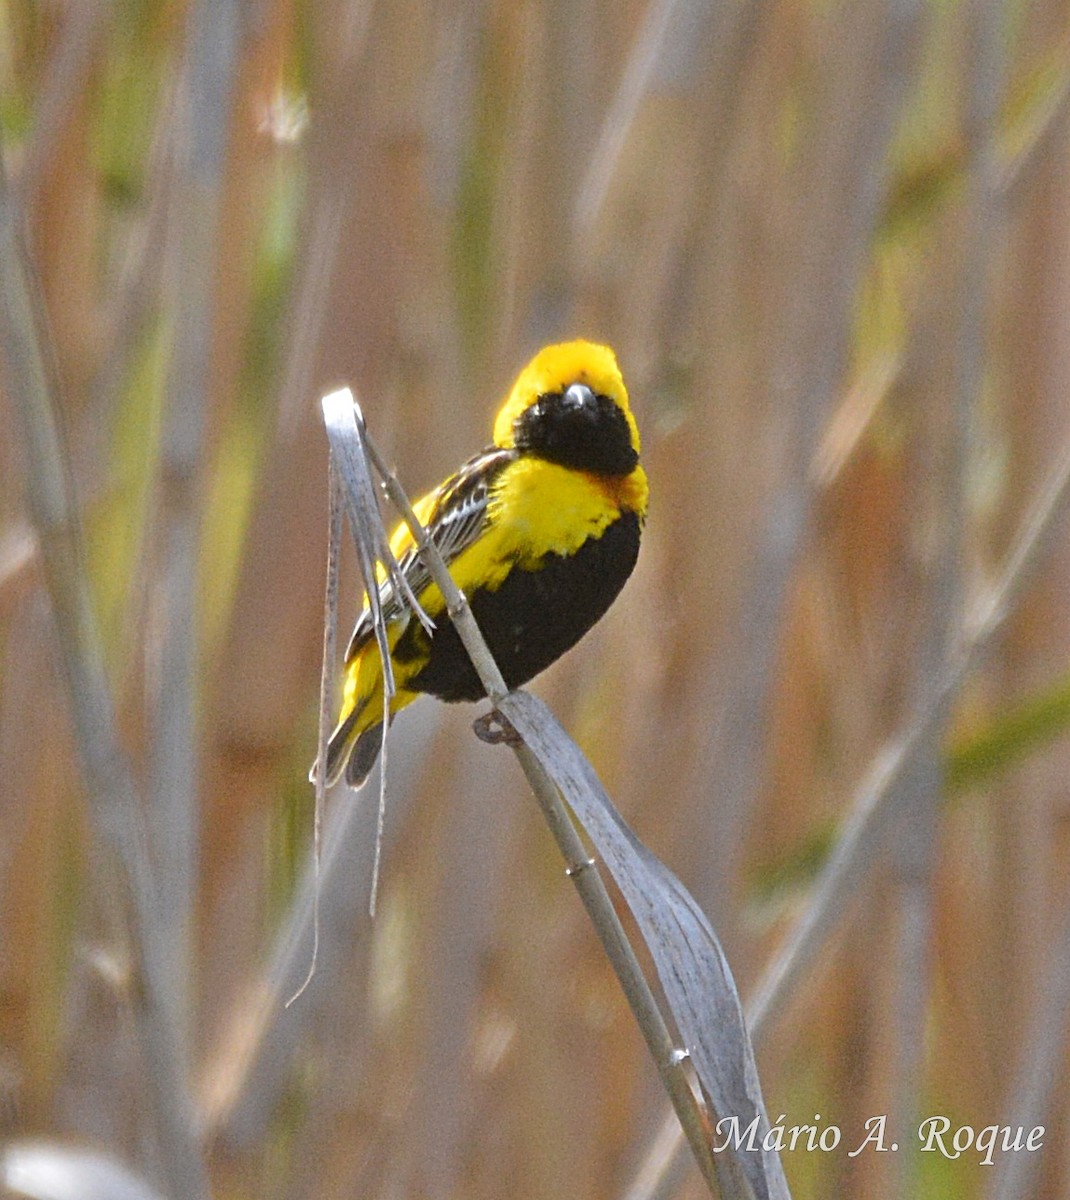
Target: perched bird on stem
540,532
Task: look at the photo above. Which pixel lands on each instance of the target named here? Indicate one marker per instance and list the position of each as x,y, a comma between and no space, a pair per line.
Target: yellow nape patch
538,508
535,508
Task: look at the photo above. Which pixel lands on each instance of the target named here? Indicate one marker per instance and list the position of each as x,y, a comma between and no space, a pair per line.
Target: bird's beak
578,398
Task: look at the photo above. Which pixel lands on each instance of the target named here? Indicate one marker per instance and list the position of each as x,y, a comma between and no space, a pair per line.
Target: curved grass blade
694,974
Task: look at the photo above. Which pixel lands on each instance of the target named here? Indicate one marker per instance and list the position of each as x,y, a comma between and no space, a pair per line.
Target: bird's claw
495,729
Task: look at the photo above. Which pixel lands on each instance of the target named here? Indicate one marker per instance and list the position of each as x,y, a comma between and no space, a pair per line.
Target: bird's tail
363,755
351,749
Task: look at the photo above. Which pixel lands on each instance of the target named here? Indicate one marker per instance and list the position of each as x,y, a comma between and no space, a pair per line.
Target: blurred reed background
831,245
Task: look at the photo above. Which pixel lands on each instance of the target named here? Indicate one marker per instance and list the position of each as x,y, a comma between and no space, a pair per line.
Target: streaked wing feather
454,522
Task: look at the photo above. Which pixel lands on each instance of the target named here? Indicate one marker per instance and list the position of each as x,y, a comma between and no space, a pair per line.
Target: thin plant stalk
864,836
578,865
864,829
203,113
115,807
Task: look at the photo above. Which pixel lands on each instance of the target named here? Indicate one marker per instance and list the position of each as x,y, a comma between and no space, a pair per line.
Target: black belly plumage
533,618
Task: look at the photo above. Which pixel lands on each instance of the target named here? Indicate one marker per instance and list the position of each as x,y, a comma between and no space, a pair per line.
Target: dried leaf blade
342,422
689,960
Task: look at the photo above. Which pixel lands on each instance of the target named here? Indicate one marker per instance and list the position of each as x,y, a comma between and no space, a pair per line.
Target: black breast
532,618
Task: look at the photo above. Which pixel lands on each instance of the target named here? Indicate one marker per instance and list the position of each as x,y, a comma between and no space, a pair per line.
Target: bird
540,531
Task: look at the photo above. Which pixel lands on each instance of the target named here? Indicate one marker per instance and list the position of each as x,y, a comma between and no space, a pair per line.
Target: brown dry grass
829,242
